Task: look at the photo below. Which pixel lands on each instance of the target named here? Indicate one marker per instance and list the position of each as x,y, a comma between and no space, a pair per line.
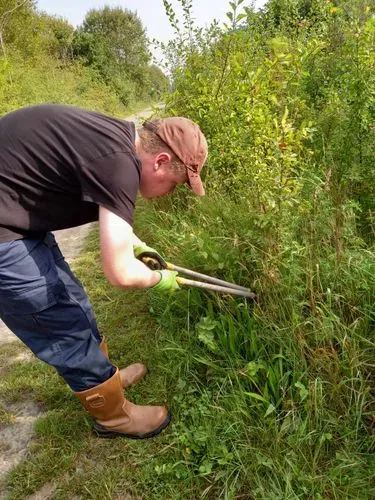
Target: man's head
172,151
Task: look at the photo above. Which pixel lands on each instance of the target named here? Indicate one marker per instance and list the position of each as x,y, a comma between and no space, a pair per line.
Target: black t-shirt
58,164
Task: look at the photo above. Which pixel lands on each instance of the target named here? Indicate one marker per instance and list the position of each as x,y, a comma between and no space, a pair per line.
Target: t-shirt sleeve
112,181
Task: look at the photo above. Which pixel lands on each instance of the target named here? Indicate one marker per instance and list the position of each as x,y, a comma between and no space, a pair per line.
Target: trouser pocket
29,278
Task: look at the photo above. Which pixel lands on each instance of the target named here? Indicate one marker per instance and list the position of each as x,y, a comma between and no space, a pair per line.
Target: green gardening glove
150,257
168,282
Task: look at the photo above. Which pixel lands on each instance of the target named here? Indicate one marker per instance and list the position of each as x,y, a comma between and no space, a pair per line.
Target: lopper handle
215,288
205,277
211,283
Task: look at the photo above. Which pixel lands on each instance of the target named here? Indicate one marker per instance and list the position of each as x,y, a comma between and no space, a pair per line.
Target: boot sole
103,432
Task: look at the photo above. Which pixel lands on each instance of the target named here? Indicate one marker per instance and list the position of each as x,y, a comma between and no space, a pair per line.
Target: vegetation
113,41
103,64
272,399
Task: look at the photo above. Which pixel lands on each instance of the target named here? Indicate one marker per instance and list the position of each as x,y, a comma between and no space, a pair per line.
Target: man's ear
161,159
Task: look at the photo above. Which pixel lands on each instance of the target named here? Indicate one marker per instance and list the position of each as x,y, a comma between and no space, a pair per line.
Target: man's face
157,177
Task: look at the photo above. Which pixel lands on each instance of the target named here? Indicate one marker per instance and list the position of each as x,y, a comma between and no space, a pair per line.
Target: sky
151,12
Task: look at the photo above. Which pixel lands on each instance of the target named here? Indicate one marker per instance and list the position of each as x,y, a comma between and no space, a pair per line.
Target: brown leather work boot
115,416
130,374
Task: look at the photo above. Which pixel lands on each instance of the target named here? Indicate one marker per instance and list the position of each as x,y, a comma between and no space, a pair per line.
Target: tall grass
286,99
273,398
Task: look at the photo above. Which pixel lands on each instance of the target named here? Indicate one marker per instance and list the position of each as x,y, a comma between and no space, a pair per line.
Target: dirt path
15,437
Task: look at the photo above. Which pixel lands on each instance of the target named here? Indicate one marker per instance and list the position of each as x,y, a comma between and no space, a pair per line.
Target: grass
266,404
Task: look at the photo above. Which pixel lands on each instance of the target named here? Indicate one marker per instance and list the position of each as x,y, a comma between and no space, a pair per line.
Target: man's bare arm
119,265
137,242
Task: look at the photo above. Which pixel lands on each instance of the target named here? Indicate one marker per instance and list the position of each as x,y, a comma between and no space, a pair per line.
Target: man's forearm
120,266
134,275
137,242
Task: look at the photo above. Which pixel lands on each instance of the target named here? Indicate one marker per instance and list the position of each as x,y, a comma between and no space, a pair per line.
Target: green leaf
254,395
206,467
207,337
270,410
303,392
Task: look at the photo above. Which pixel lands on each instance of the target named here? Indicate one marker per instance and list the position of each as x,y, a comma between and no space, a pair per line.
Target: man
61,167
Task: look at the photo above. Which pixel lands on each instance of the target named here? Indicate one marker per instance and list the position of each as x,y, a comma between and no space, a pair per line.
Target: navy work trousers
45,305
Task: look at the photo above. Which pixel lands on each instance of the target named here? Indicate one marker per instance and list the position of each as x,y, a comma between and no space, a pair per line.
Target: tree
8,10
113,41
158,83
57,35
